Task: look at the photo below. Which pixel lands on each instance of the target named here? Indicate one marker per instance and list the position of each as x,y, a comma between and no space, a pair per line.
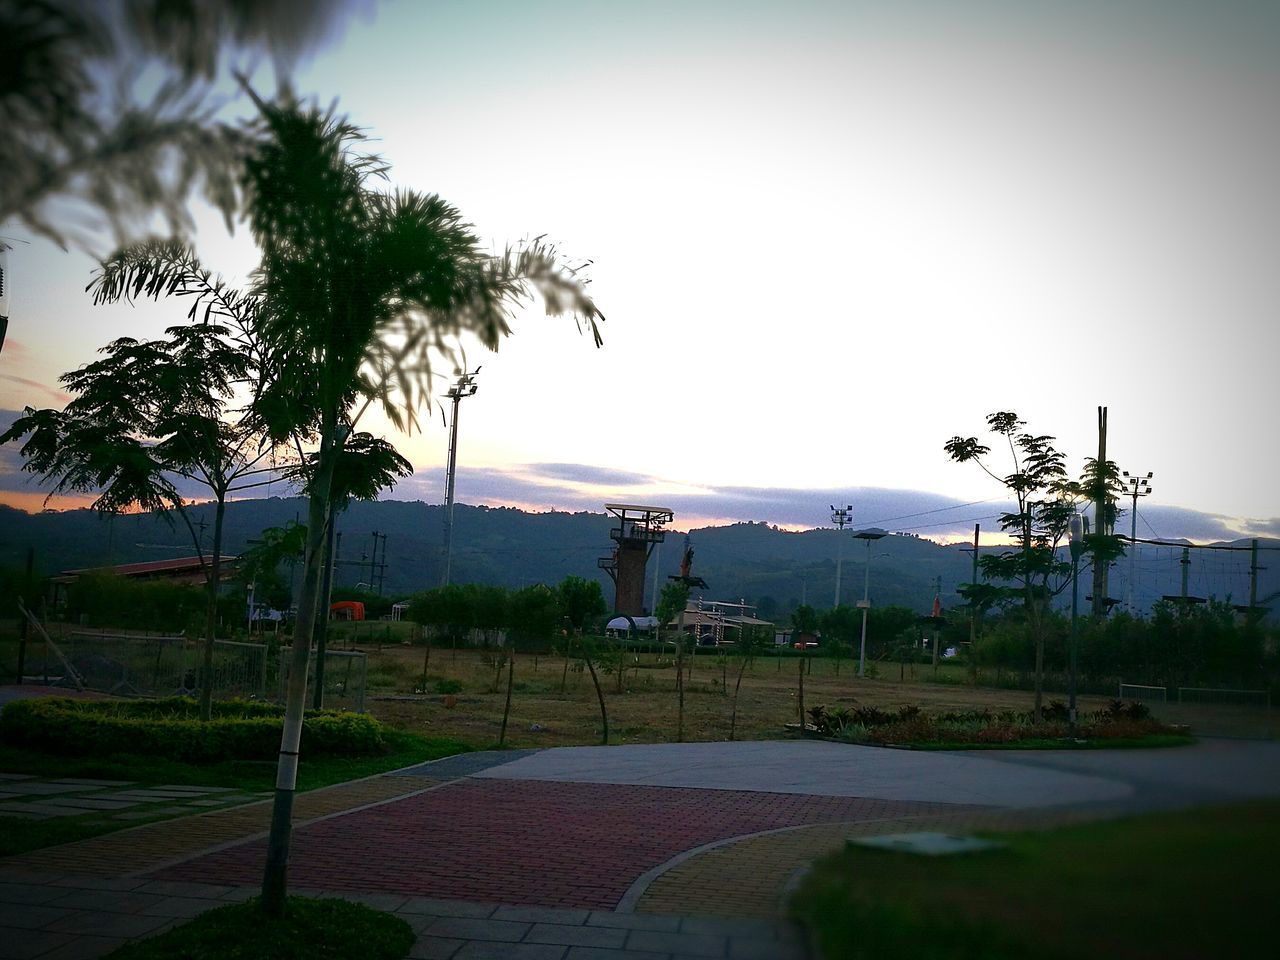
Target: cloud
58,395
583,473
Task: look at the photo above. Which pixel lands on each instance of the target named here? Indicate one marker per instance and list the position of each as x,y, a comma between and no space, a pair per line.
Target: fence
345,676
1138,691
143,666
1257,698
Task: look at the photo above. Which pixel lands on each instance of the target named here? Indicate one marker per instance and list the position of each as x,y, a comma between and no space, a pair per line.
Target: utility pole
462,388
1100,562
1136,487
840,517
973,604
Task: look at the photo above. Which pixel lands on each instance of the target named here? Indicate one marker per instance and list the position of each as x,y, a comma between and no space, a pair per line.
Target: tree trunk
506,710
604,716
211,616
733,717
275,872
322,616
680,689
426,659
568,650
801,695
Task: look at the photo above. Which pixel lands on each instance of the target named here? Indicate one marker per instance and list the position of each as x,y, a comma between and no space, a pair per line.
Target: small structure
185,570
346,610
628,628
639,529
717,623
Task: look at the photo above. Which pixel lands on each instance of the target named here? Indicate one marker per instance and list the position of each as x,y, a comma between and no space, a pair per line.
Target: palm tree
362,292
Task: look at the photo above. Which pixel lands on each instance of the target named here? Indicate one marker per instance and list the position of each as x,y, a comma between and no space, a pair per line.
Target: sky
826,237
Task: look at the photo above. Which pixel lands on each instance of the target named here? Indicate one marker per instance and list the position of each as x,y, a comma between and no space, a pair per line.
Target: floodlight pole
462,388
1137,487
868,536
840,517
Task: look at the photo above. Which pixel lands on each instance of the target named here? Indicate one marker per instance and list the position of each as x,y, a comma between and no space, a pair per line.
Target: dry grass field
645,711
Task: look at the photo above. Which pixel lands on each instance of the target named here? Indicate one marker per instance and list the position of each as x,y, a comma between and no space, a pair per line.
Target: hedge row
239,730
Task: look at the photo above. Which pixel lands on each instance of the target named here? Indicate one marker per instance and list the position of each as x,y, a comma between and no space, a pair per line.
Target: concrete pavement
620,853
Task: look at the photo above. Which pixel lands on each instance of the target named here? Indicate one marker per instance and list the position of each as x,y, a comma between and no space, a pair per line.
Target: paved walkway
624,853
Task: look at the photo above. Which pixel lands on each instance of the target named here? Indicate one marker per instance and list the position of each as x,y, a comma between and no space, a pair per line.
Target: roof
151,566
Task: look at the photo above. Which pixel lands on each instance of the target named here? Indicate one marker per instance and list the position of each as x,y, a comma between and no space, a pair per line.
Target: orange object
346,610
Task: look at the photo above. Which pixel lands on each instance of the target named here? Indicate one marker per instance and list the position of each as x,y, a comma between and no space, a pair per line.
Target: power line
923,513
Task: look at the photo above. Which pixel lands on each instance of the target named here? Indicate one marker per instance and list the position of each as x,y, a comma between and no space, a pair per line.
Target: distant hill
751,561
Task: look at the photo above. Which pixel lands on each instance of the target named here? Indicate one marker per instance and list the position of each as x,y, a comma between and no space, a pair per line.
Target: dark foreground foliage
309,930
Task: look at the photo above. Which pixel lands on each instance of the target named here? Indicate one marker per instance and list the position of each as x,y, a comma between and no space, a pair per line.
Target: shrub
239,730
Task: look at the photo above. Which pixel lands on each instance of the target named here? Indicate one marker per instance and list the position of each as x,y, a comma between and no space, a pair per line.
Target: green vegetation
1172,885
307,930
238,730
1118,723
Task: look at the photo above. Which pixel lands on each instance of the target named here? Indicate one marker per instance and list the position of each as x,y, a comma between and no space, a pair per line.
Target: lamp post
462,388
840,517
1076,531
865,603
1136,487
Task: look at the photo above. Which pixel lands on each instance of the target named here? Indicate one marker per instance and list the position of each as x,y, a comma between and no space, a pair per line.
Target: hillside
751,561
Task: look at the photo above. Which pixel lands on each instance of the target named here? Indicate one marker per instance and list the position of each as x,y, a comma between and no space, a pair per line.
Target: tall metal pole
973,611
1138,487
840,517
866,605
463,387
1100,562
1076,531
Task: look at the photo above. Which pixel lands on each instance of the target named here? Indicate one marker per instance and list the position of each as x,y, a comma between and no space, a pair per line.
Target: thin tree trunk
506,710
604,715
211,616
801,697
680,688
568,650
322,617
275,872
733,717
426,660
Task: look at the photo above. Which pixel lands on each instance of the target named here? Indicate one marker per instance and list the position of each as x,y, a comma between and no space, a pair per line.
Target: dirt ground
646,709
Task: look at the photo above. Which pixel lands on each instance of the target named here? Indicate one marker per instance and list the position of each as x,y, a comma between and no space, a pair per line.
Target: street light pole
865,604
840,517
1076,529
462,388
1137,487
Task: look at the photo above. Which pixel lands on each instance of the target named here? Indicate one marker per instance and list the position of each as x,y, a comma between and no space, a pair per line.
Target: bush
239,730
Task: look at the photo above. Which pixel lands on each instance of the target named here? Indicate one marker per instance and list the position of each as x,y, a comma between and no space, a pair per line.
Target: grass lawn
1189,884
309,930
21,835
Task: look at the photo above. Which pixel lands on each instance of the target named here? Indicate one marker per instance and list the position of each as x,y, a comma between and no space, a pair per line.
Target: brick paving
524,842
765,866
147,847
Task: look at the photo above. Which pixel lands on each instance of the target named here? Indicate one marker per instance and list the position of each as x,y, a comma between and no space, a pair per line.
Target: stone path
630,853
34,798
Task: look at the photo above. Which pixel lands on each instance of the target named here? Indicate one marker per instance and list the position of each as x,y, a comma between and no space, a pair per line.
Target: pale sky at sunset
826,236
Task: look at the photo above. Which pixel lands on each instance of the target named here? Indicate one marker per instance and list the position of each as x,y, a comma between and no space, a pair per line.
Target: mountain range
754,561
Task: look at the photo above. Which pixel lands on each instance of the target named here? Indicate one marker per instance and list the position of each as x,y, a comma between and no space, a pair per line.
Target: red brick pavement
525,842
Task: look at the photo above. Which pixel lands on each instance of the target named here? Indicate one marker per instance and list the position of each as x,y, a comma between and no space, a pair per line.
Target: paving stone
434,948
175,811
576,936
692,944
446,908
106,901
240,894
510,951
542,915
194,788
742,948
126,925
18,944
93,782
89,803
604,953
41,787
17,776
30,916
183,888
208,803
635,921
468,928
85,948
181,907
723,926
134,815
28,893
131,797
36,810
98,883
